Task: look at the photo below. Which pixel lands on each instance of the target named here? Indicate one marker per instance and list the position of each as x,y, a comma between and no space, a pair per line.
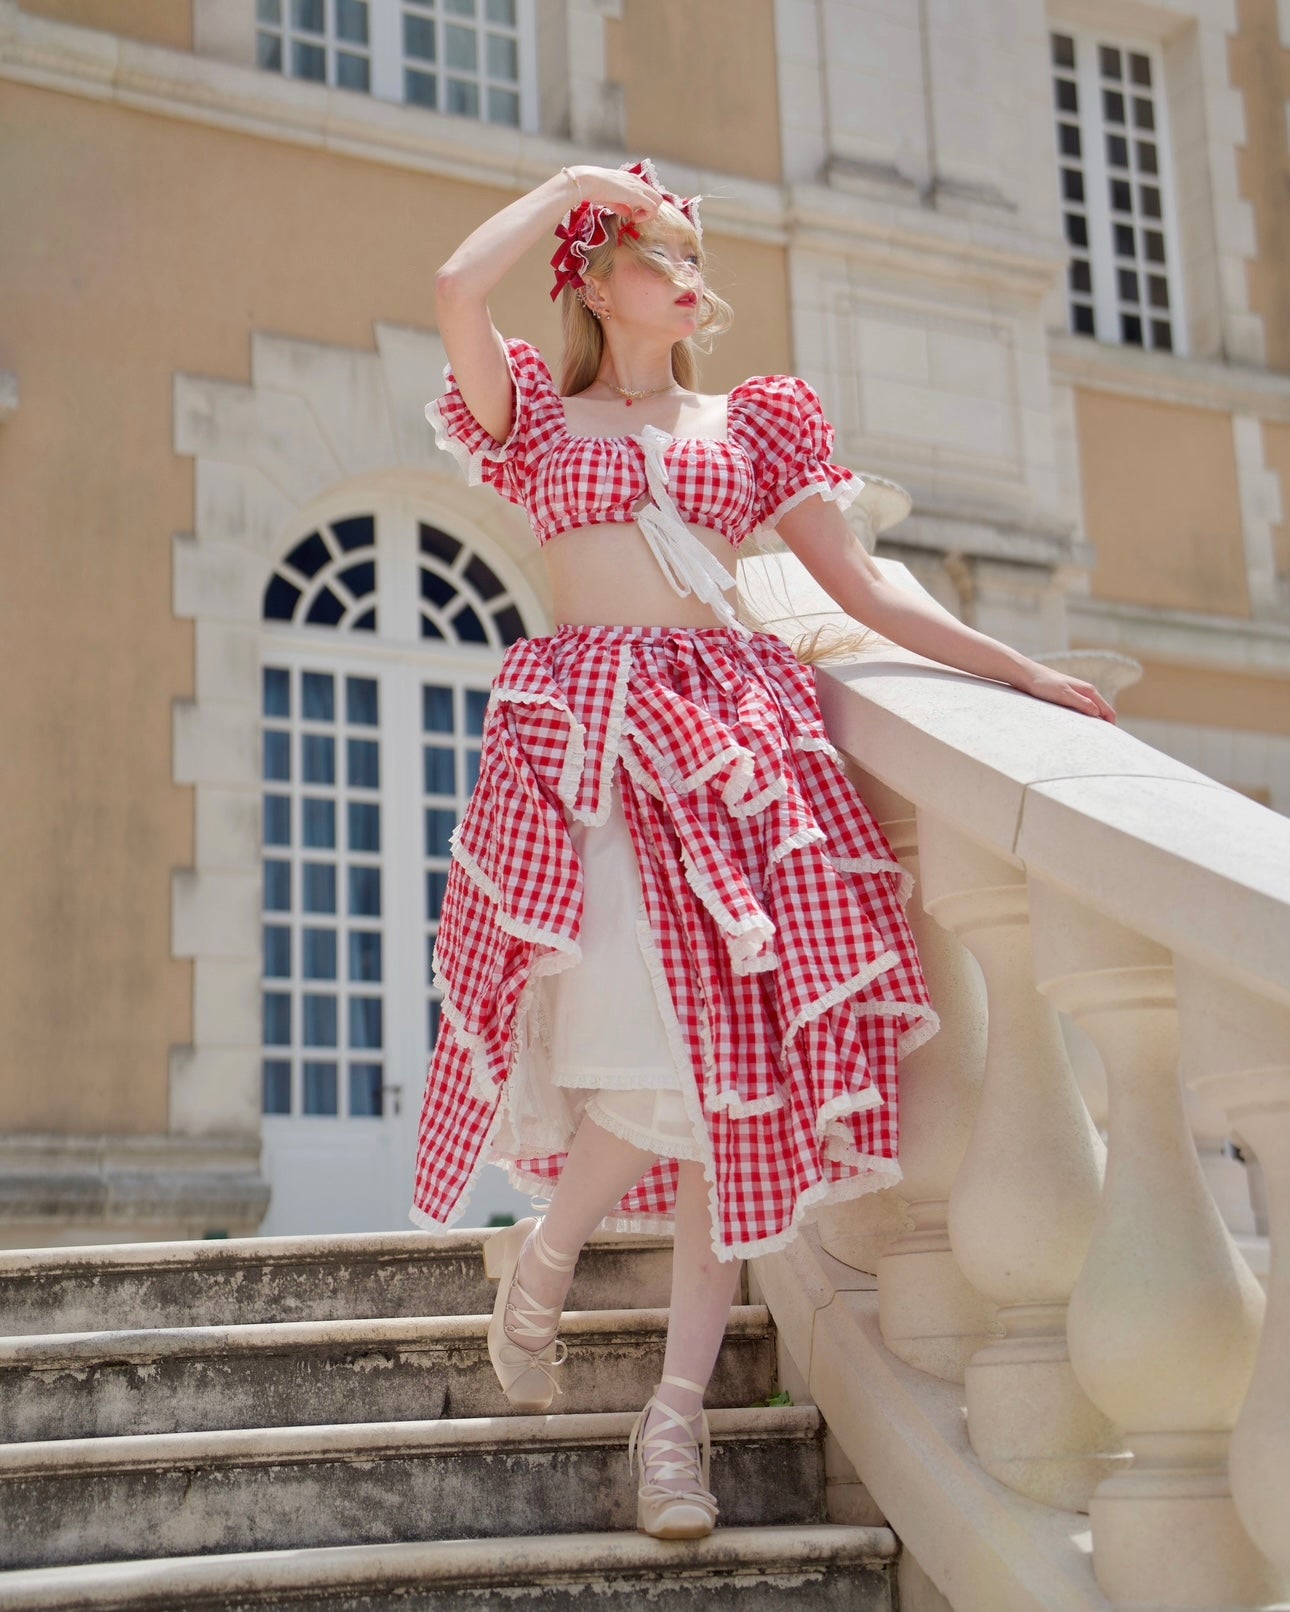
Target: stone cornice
88,62
1230,643
1166,378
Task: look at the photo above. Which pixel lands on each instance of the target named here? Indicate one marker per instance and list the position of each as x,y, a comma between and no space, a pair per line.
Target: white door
381,638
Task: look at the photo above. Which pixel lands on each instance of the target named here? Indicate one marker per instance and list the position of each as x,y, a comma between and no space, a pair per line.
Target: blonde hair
584,349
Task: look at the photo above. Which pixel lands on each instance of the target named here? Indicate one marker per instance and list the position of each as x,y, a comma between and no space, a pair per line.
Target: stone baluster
1236,1054
1164,1317
930,1315
1023,1202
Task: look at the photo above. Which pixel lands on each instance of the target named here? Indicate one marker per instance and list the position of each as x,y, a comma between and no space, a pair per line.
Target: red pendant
628,401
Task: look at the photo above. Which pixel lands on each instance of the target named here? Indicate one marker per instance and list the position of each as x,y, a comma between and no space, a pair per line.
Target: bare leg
599,1170
703,1289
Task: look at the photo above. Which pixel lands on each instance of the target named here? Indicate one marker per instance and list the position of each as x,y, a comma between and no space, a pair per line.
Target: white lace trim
503,920
839,993
473,461
729,1102
879,1173
843,495
639,1137
575,749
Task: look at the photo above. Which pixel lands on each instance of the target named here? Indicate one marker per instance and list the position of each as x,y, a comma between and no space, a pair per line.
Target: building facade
1035,258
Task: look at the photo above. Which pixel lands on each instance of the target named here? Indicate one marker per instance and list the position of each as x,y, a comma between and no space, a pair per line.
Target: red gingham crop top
777,454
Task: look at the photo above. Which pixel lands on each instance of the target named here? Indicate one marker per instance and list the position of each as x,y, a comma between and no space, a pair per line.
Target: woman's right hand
630,196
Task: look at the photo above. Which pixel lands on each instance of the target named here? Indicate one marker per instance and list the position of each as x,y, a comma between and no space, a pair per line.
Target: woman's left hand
1046,683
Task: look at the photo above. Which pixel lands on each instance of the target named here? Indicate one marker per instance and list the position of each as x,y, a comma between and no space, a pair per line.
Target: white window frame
386,61
1096,207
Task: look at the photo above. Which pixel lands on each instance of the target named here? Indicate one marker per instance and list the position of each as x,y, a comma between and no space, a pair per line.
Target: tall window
369,751
1116,191
472,58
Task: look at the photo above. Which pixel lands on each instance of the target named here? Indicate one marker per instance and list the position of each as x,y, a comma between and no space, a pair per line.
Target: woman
676,971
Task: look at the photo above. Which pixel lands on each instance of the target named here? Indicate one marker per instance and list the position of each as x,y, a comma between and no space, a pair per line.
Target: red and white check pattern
775,902
778,452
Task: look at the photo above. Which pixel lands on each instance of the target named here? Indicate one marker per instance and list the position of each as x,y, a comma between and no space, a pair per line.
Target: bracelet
569,174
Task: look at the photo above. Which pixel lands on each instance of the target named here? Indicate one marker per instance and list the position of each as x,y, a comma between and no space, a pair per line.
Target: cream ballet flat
525,1375
672,1513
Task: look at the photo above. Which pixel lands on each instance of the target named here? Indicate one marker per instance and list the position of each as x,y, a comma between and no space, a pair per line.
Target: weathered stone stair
314,1422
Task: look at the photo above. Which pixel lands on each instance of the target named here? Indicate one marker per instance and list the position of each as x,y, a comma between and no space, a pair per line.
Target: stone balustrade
1106,936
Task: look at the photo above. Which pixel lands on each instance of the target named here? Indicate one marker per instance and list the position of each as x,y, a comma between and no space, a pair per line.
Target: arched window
370,735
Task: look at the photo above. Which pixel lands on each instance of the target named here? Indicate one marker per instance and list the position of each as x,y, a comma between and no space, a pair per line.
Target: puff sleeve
501,465
792,442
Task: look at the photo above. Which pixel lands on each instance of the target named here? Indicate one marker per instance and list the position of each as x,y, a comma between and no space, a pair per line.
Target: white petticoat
607,1032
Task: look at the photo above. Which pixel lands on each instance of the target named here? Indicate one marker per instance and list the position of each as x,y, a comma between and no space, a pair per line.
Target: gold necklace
628,394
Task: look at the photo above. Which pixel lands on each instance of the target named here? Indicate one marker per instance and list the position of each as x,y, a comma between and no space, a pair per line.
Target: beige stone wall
1260,69
1276,452
159,22
699,83
142,247
1161,504
1208,697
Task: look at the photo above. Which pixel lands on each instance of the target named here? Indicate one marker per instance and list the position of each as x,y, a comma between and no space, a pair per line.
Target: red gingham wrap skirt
773,910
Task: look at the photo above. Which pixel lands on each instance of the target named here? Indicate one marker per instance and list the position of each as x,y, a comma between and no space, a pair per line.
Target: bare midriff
606,575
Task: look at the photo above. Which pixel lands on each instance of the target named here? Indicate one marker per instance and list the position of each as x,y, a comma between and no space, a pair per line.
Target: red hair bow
585,227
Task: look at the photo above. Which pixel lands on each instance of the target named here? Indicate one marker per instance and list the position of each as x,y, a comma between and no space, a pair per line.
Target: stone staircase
313,1422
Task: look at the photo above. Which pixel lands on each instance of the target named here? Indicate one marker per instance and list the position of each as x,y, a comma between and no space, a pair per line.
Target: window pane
320,1018
277,692
319,824
365,892
440,771
277,886
364,826
320,1088
476,705
277,756
460,47
277,1019
504,107
277,951
268,10
440,822
268,52
503,58
320,954
418,38
436,708
277,820
420,89
351,74
460,8
365,1021
436,888
318,697
364,955
365,1090
463,98
351,21
308,61
364,764
307,15
360,701
318,755
276,1086
320,887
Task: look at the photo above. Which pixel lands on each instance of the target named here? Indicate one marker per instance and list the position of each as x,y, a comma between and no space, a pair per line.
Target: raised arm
462,284
821,537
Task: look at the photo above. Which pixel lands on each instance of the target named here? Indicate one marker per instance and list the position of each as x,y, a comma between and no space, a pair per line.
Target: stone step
234,1281
811,1568
304,1373
165,1494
